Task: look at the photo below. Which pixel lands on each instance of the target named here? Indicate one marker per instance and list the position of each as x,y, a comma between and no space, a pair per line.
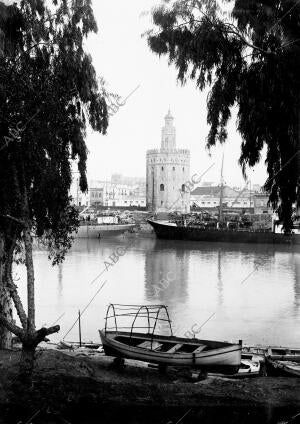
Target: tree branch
52,330
12,288
43,332
232,29
11,326
12,218
48,44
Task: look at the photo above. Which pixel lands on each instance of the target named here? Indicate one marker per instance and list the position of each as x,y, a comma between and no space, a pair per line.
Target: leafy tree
249,56
49,93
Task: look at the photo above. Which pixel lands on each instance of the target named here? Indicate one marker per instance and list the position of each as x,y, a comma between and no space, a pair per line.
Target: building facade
209,197
111,194
167,173
261,204
118,194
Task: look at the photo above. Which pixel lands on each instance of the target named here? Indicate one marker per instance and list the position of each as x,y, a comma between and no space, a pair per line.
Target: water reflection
295,259
220,281
60,280
166,274
195,280
247,288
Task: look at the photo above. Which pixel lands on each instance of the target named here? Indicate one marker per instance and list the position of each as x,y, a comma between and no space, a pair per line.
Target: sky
122,57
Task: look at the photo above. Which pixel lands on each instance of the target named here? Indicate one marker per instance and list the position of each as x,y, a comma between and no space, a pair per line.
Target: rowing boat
209,355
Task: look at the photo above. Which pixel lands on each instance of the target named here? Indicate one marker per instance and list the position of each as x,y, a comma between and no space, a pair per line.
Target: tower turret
168,133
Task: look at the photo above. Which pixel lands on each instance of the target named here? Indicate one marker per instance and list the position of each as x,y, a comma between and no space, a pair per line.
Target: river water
218,291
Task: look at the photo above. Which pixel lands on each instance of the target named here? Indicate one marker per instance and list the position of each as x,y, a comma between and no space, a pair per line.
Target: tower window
173,168
162,168
162,187
183,169
162,202
183,187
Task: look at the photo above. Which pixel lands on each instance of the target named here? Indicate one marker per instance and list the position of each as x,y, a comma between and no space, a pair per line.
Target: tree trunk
6,306
298,165
29,345
30,281
27,362
5,303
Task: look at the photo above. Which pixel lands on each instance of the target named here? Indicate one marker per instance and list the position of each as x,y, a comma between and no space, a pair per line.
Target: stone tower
168,170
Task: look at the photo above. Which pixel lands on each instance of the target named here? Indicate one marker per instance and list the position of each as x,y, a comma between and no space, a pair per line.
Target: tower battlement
170,151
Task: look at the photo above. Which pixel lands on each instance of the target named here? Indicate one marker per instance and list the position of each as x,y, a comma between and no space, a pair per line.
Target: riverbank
84,386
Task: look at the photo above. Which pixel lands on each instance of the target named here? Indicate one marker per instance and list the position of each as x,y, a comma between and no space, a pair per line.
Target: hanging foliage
249,56
49,93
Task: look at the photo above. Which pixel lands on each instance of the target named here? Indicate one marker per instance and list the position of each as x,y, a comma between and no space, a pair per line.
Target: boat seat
147,345
199,349
175,348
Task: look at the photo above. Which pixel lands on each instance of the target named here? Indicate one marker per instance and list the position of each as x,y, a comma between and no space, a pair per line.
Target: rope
85,309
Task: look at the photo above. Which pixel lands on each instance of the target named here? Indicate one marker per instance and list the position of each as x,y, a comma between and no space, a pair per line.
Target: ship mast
153,204
250,194
221,192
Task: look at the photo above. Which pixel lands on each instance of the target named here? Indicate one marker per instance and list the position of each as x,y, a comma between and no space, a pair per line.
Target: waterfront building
96,196
110,194
167,173
117,194
261,203
209,197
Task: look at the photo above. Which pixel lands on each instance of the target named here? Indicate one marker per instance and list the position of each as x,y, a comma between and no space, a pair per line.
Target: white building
209,197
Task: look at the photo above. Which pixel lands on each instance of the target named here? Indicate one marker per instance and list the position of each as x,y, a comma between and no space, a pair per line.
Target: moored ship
230,228
104,225
90,230
184,230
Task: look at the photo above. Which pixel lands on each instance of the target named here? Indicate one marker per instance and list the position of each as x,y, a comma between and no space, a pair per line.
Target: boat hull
226,358
170,231
283,368
102,230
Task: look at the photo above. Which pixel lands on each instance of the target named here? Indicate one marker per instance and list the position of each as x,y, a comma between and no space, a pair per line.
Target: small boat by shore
283,368
63,344
164,350
283,361
249,368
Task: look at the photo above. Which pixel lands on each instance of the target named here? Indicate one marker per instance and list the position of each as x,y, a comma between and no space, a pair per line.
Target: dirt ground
84,386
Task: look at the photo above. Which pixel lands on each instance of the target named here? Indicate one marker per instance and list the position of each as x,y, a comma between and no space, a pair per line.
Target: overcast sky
125,61
122,57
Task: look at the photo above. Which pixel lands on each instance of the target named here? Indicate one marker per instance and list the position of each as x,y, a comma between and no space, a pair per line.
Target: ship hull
170,231
102,230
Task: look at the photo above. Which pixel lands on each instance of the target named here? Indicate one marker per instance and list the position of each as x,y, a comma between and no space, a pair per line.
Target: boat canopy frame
150,312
